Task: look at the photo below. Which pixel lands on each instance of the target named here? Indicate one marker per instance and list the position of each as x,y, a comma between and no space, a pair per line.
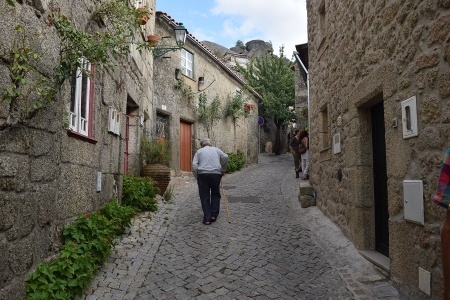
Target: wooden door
185,147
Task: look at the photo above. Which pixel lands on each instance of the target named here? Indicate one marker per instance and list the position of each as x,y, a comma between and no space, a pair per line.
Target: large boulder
258,47
217,49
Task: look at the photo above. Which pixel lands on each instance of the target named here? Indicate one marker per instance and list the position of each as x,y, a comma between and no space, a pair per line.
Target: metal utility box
413,201
409,117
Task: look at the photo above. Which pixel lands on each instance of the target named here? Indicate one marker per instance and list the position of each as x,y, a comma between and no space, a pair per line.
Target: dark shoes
297,174
213,219
206,223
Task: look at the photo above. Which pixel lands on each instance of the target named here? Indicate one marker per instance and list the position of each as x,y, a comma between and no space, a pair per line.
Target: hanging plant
249,107
304,112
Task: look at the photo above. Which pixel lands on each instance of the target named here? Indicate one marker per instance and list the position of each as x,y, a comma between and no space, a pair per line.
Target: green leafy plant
168,194
235,161
209,114
139,192
234,107
88,242
155,151
185,89
27,85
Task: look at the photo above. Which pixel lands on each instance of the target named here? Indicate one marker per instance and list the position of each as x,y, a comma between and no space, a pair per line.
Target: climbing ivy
208,115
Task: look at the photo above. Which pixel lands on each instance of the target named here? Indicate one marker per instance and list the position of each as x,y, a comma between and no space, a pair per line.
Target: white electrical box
99,181
337,143
413,201
425,281
409,117
114,121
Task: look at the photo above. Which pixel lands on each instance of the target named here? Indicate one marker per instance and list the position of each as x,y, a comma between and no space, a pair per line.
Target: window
187,63
81,102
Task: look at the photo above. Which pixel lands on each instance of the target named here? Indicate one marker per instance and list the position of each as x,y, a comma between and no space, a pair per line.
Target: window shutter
114,121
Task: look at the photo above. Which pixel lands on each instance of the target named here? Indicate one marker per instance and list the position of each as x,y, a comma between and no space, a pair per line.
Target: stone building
180,77
50,172
379,107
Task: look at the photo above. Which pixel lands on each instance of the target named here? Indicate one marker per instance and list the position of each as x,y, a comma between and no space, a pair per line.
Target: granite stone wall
362,53
47,175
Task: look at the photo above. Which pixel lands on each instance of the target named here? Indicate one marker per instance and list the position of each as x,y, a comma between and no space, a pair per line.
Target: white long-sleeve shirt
209,160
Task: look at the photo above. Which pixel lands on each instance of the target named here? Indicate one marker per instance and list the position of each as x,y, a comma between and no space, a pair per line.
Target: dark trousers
209,191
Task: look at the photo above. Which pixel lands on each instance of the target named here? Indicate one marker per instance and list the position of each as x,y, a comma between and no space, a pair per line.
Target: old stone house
180,78
379,109
50,172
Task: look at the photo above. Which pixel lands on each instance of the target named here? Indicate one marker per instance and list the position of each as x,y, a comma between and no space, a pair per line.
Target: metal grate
245,199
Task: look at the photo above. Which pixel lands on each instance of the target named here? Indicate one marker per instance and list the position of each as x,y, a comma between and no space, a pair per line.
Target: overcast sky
282,22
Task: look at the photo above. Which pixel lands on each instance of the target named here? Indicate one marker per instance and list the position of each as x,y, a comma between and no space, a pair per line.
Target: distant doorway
380,179
185,147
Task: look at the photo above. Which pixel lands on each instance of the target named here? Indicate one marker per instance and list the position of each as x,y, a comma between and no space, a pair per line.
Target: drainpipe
297,58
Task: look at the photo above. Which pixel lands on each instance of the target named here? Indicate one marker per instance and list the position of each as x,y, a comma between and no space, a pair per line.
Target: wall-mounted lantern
180,33
201,82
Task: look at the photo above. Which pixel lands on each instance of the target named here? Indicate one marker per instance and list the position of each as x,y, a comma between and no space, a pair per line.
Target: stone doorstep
305,195
377,259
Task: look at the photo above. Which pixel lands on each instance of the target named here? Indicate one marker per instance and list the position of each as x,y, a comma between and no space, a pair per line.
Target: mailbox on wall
413,201
409,117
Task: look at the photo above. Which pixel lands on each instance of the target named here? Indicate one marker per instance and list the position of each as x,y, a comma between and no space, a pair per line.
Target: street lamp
180,33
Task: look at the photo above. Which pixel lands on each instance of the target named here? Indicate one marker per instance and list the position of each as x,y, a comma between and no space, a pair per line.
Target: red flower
88,216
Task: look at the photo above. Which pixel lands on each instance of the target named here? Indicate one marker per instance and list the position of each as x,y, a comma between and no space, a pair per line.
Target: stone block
397,165
20,256
45,198
402,251
439,31
4,269
9,166
16,290
361,228
444,85
426,61
431,108
27,210
43,169
361,182
9,210
16,140
43,143
79,189
307,201
430,138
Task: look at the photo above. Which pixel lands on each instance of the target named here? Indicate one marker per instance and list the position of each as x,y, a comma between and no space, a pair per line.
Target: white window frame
187,63
78,123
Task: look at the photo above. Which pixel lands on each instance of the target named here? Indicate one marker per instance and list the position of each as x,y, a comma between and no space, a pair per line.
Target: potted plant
142,15
152,40
156,156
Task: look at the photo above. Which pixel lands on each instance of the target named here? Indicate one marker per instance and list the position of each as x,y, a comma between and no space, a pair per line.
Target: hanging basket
159,173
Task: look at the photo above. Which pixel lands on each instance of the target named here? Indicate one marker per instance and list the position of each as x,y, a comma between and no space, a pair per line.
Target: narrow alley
271,249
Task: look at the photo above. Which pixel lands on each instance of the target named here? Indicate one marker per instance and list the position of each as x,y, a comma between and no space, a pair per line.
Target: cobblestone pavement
271,249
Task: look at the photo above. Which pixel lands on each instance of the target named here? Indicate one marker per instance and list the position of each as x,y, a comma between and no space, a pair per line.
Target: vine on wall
30,89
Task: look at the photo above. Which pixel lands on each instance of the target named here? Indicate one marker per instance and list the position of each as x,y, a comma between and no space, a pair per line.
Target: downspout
297,58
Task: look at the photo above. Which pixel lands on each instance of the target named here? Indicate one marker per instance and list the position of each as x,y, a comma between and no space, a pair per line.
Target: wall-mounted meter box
337,143
409,117
413,201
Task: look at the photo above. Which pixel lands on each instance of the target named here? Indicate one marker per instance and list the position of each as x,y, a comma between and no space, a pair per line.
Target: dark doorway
380,180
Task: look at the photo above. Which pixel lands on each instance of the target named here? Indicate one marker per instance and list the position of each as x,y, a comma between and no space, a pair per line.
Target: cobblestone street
272,249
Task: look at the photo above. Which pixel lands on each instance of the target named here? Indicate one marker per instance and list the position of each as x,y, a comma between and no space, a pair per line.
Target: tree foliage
271,76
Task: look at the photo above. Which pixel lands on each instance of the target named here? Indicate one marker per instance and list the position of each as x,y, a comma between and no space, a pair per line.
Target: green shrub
88,243
168,194
139,192
235,161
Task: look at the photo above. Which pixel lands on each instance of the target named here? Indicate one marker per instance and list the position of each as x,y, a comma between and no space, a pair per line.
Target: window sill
81,137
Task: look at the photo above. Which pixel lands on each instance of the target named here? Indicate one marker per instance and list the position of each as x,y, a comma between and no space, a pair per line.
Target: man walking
208,166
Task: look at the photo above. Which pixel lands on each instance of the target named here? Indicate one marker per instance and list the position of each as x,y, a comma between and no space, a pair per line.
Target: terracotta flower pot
152,40
159,173
144,15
